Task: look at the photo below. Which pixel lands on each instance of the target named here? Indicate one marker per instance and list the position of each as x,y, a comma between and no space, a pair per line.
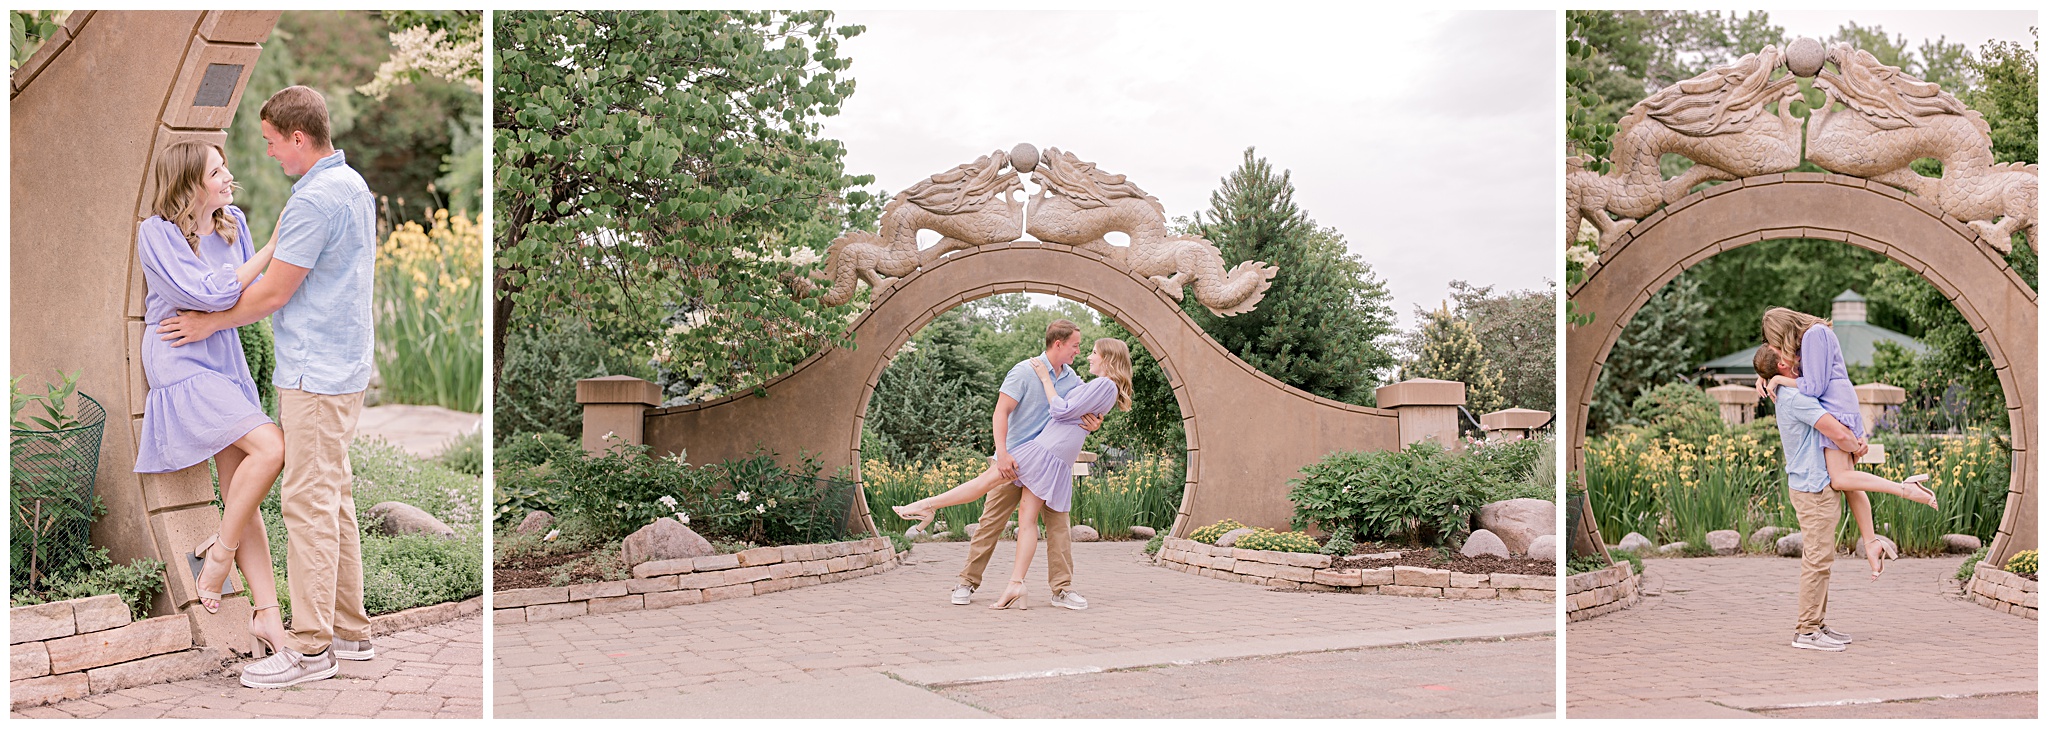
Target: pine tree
1653,350
1450,351
1322,325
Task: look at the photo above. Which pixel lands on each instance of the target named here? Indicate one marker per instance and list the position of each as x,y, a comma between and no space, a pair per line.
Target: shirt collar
328,162
1057,372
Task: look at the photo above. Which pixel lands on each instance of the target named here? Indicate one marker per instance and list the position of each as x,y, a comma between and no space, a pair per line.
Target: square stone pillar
1738,403
1428,409
1874,399
1513,424
614,406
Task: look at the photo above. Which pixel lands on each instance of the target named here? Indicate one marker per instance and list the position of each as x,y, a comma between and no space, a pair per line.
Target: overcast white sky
1971,28
1428,138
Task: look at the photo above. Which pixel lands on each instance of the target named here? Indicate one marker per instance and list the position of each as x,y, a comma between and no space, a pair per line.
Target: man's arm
1004,463
1844,438
261,299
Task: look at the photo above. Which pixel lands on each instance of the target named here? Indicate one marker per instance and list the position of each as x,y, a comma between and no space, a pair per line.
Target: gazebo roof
1859,340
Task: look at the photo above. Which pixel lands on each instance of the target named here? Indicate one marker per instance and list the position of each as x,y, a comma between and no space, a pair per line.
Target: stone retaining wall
1312,572
666,583
1602,591
2006,592
65,650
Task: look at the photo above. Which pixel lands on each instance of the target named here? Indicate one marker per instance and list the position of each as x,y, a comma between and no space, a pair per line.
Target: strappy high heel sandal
268,642
922,517
1919,481
201,556
1012,598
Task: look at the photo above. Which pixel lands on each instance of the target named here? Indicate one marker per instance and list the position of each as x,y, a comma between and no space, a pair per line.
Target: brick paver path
434,672
1491,679
786,653
1716,641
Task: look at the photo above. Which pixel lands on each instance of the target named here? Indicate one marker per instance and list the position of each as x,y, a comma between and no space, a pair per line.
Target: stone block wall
1596,593
2006,592
1313,572
65,650
666,583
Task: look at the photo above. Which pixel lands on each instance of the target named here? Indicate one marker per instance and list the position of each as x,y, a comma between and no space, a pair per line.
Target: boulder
1791,545
1484,543
972,528
1634,542
1083,533
1672,548
1725,541
1143,532
1518,522
666,538
536,522
1960,543
1229,538
1886,548
1544,548
398,518
1767,536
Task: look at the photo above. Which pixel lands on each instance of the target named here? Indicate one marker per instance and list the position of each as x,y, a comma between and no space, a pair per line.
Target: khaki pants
324,553
996,509
1819,515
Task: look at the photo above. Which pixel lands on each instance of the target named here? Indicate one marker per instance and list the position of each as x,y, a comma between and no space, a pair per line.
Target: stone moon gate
1247,433
91,110
1932,227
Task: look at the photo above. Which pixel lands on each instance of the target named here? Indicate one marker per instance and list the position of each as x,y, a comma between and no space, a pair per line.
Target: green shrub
1423,493
533,449
464,454
2024,564
752,499
1209,534
544,357
1588,563
1340,542
1678,409
1271,541
416,570
136,583
1969,568
1152,545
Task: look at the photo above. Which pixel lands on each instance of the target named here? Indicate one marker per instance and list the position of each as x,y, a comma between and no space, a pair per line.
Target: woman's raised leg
923,509
1028,509
1843,476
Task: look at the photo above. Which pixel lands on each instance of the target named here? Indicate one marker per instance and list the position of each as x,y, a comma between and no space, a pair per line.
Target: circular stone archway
1247,433
1999,306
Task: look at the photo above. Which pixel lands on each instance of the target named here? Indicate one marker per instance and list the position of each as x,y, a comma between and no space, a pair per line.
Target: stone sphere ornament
1023,157
1804,57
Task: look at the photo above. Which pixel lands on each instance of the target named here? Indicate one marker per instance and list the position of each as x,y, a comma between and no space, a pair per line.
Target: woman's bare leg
1843,476
975,488
247,471
1866,529
1028,507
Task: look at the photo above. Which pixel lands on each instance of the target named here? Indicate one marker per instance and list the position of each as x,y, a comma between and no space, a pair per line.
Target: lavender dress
201,396
1045,464
1824,376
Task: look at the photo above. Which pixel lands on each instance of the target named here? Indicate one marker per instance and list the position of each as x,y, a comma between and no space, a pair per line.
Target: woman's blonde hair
1784,327
1115,364
180,180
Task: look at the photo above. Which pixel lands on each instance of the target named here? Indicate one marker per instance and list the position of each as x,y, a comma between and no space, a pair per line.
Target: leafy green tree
1654,349
1324,325
1154,422
537,381
1447,349
924,412
651,163
1517,333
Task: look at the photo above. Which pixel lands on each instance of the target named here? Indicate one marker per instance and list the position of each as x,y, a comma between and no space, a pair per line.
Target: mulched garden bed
535,571
1456,563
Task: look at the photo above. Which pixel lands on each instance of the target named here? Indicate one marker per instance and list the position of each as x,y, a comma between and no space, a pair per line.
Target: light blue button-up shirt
1806,465
325,333
1033,412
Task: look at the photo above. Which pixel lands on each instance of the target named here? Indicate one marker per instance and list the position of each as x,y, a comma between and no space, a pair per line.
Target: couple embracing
204,279
1822,431
1044,413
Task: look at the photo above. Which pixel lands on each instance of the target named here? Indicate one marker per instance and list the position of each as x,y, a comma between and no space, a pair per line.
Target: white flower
760,508
742,497
668,501
611,435
1582,255
683,516
771,503
552,533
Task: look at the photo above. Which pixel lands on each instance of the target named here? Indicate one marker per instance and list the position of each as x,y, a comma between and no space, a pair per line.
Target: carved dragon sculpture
969,205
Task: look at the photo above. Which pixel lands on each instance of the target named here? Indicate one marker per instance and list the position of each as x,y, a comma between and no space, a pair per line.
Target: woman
196,256
1045,464
1824,375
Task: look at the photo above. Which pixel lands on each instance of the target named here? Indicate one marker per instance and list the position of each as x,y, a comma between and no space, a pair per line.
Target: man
1802,426
1021,412
319,287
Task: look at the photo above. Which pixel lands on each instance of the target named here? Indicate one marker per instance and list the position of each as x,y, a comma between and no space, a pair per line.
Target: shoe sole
968,601
1059,604
1811,647
355,655
325,674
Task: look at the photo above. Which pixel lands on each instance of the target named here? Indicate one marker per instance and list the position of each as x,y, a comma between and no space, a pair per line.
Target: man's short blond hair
299,109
